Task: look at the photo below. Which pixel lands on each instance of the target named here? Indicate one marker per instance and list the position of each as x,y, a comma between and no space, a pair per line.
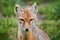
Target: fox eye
21,19
31,19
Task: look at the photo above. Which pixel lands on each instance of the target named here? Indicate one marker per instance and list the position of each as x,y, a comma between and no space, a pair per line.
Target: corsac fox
27,29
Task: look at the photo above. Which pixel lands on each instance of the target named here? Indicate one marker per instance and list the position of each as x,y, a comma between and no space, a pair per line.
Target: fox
27,18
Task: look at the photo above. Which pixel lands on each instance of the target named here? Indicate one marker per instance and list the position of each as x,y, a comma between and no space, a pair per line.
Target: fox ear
34,8
17,9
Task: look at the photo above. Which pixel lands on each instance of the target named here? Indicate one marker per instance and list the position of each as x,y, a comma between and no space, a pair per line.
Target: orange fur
30,35
34,33
26,16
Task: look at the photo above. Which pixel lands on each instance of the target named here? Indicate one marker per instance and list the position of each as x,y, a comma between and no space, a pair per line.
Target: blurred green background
48,15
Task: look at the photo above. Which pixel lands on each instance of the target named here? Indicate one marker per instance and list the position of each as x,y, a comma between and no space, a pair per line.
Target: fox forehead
26,15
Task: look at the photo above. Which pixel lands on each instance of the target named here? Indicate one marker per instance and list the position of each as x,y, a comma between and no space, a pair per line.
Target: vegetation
49,8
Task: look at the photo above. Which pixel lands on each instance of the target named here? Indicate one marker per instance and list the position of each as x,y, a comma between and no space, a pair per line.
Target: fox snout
26,26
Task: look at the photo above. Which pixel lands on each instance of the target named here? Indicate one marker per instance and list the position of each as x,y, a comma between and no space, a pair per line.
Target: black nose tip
26,30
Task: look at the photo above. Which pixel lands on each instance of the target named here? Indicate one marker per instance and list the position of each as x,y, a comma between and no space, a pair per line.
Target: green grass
52,28
50,9
8,26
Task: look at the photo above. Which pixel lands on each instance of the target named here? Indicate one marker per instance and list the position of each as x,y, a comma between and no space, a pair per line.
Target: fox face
26,16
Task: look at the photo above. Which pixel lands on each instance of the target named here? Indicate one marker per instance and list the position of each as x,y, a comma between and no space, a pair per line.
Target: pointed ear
17,9
34,8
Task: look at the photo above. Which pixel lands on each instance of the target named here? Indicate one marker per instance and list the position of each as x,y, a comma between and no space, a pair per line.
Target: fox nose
26,29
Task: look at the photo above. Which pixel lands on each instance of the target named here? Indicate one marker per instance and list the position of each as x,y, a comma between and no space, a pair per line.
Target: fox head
26,17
